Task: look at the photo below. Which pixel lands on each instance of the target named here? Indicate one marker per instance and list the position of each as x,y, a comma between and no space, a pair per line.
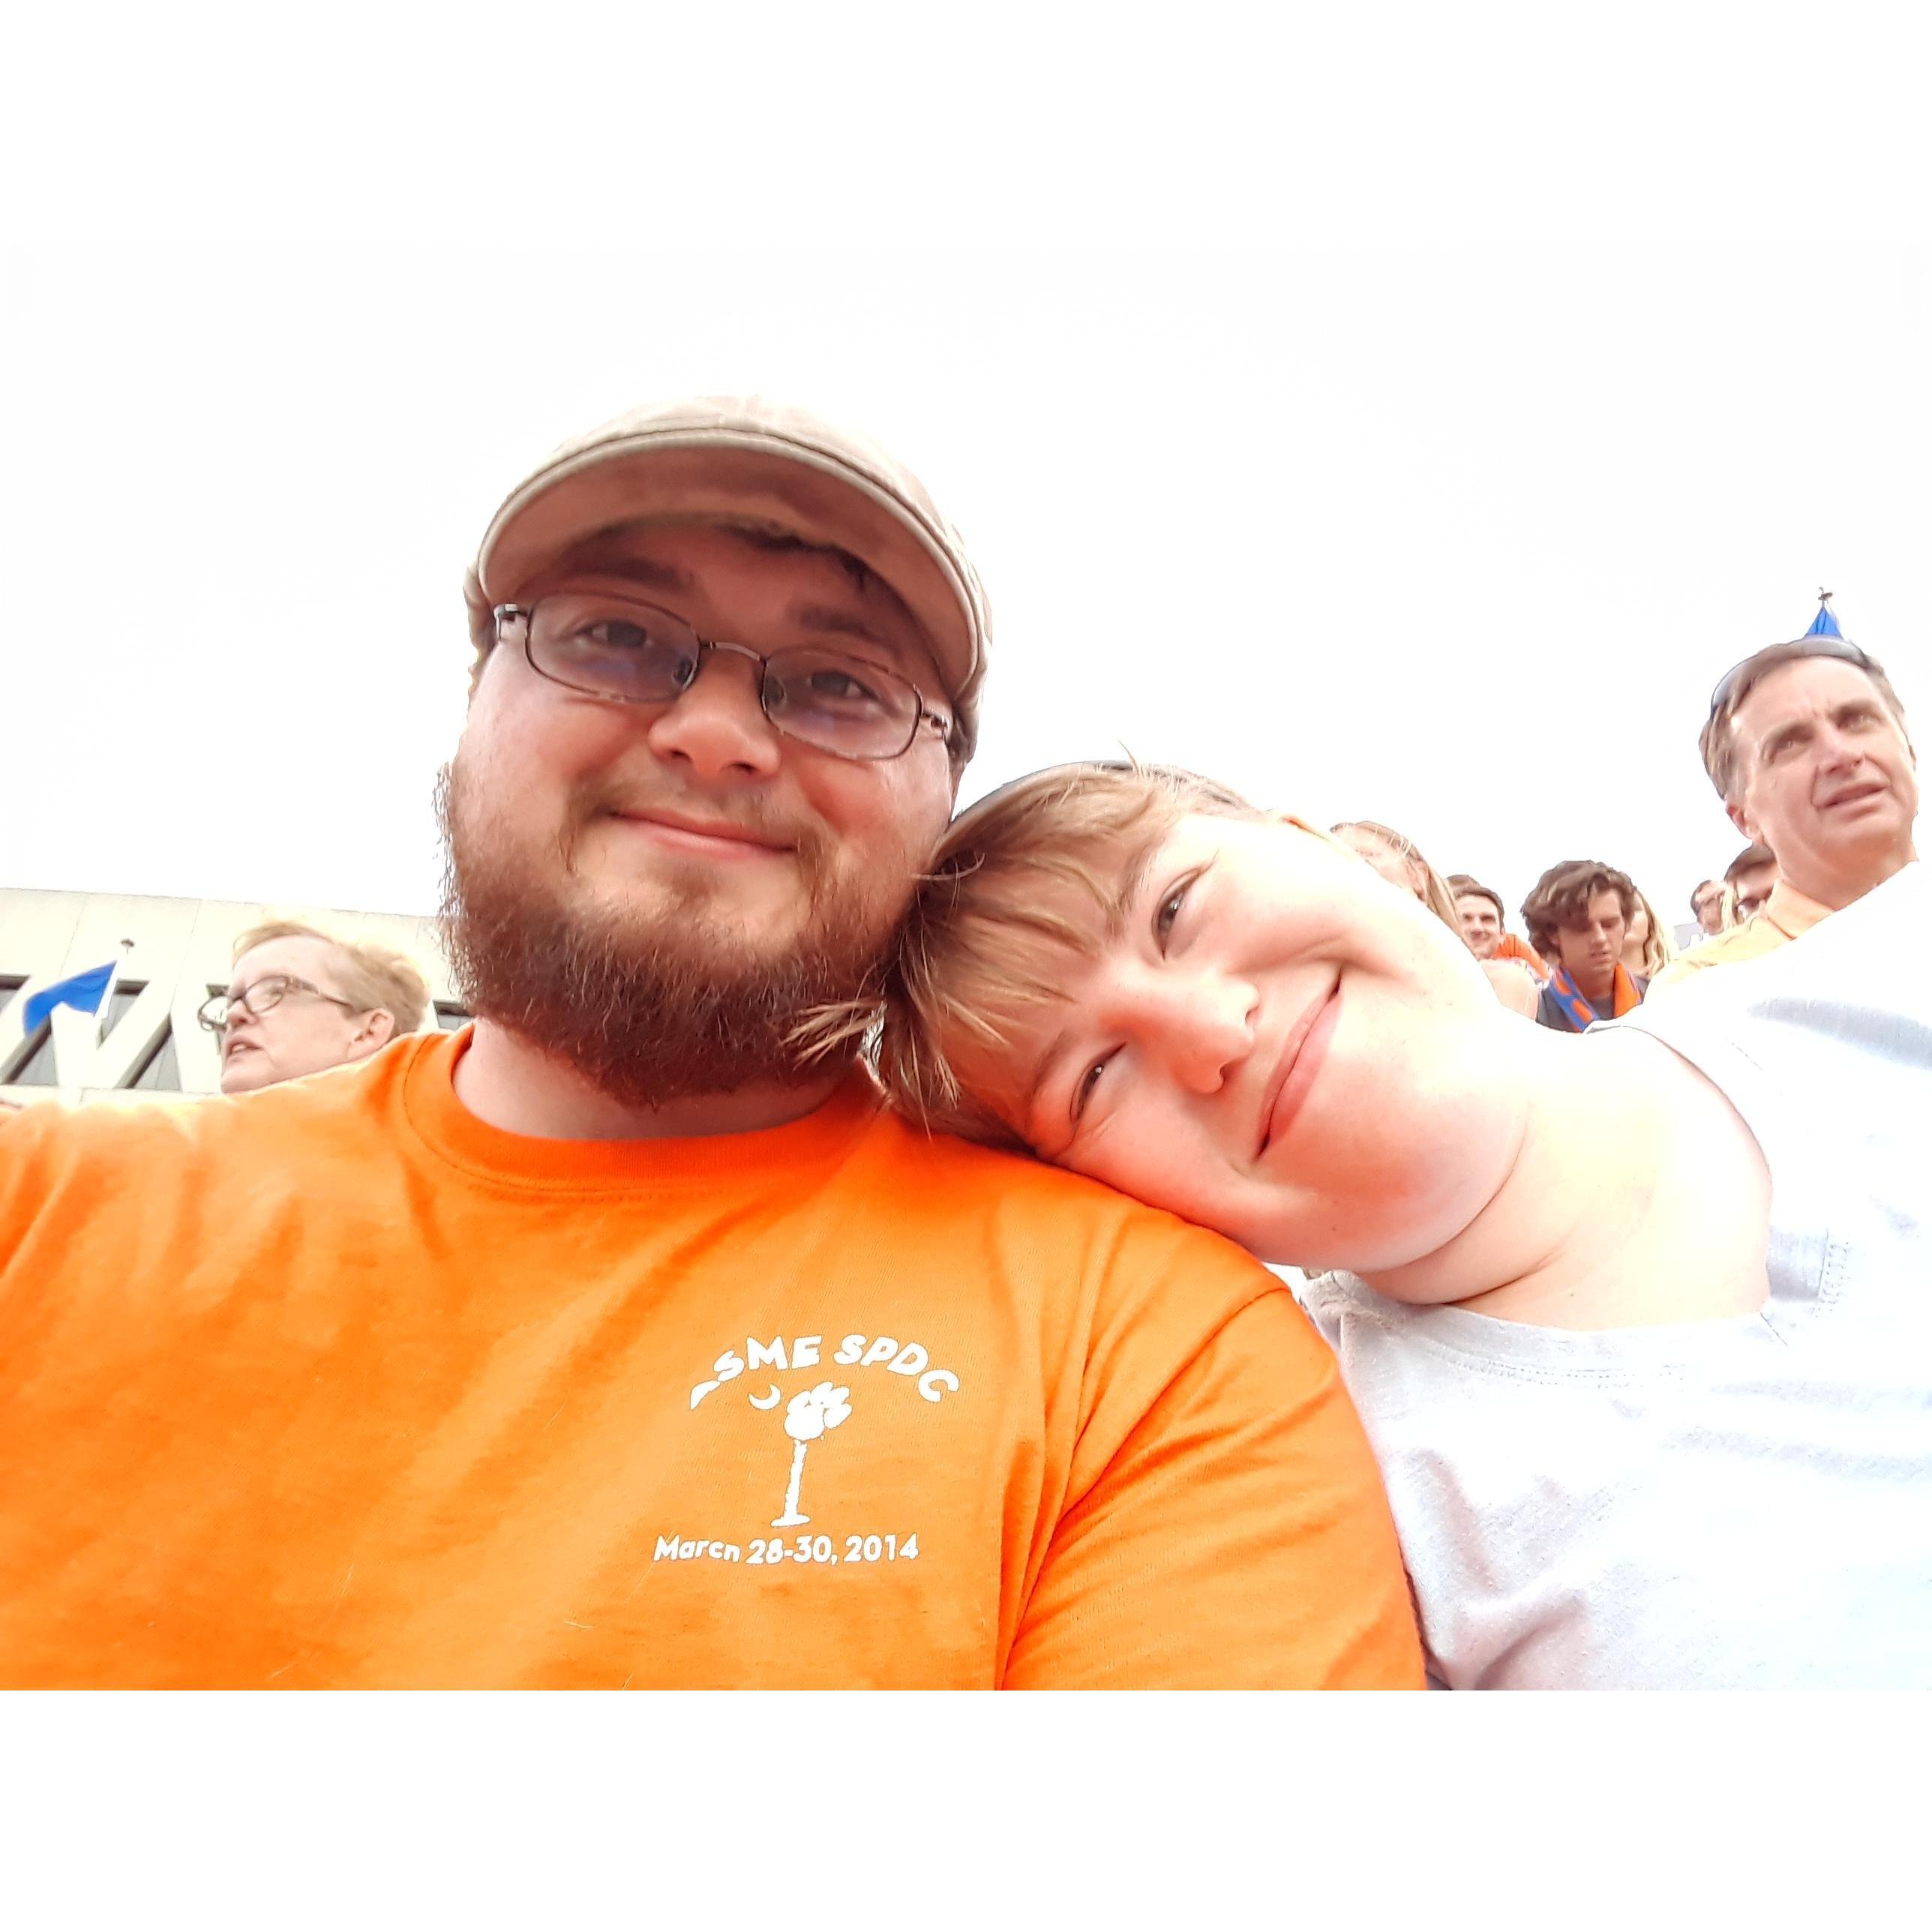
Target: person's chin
757,913
246,1074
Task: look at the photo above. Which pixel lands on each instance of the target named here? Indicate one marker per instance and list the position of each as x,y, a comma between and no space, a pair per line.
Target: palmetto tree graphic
808,1416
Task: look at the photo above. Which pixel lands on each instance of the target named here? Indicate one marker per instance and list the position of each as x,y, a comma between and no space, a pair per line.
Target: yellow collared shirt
1785,915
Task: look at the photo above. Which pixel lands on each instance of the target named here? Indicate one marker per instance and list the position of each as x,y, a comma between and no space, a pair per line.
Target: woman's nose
1201,1026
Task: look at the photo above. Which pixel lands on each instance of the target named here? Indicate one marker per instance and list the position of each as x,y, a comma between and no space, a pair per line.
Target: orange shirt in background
334,1385
1510,947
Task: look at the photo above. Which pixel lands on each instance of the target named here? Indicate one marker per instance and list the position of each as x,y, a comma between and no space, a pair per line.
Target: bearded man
621,1338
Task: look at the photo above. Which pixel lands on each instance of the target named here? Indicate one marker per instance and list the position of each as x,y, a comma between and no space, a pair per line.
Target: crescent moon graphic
766,1401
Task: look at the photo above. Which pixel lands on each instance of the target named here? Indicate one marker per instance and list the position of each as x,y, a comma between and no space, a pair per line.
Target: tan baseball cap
744,457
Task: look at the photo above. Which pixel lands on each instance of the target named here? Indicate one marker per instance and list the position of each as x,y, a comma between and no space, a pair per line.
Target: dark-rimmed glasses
1813,647
620,648
267,993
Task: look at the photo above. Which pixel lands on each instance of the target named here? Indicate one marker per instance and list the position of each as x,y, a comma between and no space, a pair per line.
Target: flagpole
103,1013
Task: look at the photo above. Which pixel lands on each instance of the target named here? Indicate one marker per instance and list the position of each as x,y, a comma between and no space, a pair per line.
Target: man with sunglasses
622,1339
1806,745
300,1002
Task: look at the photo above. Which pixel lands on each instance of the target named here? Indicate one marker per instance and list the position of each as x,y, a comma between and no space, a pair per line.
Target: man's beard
648,1016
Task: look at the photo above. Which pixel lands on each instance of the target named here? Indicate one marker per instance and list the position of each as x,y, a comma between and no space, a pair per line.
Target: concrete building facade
147,1044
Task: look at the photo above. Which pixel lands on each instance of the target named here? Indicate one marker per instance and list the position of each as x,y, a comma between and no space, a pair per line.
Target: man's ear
1735,813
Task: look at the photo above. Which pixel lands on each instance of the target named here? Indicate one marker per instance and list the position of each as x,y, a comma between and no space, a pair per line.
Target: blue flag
1826,624
84,992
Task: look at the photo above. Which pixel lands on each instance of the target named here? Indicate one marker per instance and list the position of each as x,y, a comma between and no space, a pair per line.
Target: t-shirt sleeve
1238,1536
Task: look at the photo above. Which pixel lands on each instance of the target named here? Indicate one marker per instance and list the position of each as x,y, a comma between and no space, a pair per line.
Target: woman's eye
1169,911
1089,1081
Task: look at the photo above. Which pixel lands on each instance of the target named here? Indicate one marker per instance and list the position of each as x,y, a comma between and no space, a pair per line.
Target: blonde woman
1396,859
1648,949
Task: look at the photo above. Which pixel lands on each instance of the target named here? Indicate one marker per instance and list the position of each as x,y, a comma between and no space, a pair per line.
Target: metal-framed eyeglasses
1727,692
608,645
266,993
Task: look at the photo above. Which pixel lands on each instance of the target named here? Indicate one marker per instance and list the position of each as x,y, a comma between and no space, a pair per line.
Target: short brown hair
376,978
1716,743
1562,897
1464,887
977,950
1749,860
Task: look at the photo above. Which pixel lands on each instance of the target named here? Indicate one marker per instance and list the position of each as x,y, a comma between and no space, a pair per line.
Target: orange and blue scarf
1578,1011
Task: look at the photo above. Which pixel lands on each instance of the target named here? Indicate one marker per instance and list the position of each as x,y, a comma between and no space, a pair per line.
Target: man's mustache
749,813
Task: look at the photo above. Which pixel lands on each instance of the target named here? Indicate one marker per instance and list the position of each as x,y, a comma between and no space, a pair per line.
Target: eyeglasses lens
839,705
261,997
612,649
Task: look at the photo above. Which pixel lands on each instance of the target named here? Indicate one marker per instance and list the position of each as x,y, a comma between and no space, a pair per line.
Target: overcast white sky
1458,536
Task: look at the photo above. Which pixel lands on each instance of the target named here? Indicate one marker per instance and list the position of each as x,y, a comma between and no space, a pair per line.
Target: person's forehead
1803,686
294,953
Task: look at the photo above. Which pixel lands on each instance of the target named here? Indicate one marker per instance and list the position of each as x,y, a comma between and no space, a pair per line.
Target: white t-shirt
1743,1502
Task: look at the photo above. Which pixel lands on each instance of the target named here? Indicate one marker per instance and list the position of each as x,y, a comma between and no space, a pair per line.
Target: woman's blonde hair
1658,951
982,948
1429,885
377,978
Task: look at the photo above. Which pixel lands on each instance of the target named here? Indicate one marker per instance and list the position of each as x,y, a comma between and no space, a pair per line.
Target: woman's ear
377,1029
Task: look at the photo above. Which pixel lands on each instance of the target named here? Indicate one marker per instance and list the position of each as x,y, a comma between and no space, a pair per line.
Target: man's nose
1838,750
1200,1026
717,725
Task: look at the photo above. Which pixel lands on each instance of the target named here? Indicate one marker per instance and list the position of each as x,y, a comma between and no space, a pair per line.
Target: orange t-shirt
1510,947
334,1384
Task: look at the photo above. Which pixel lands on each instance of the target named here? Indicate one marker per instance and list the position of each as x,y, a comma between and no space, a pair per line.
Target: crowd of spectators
1807,745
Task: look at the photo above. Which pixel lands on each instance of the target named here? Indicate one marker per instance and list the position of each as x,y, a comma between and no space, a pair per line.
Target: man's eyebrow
839,622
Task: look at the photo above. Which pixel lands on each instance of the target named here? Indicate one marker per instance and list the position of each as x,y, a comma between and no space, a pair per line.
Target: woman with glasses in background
300,1002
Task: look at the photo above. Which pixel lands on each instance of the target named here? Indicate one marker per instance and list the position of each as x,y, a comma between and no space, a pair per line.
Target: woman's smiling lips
1307,1047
